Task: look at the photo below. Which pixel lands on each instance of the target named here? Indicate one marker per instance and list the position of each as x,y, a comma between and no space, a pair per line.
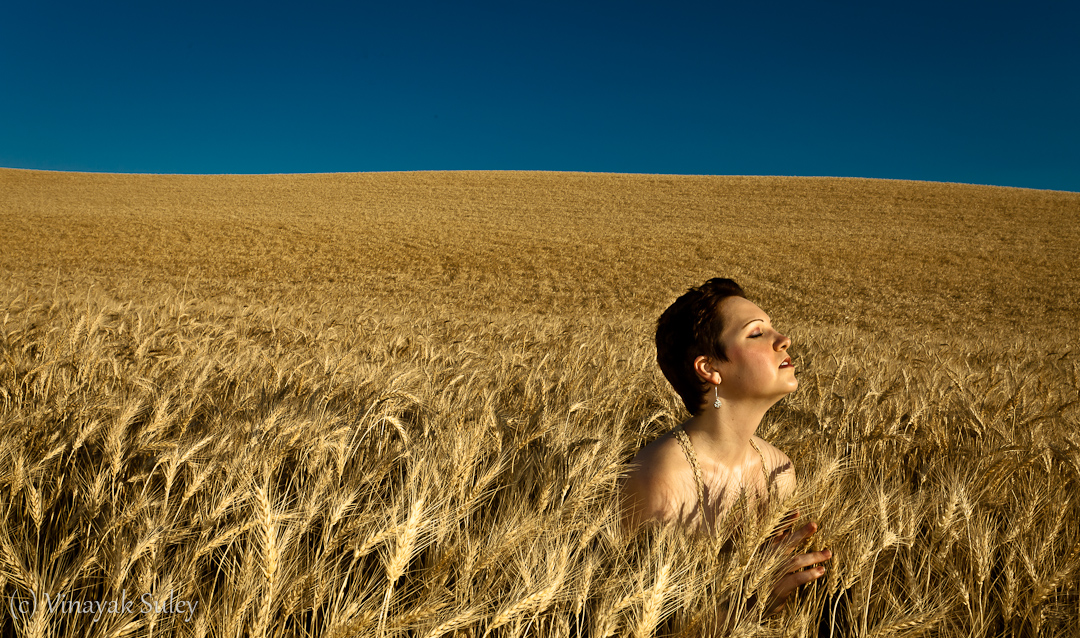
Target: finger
779,538
806,531
785,524
781,531
807,575
802,534
788,584
806,560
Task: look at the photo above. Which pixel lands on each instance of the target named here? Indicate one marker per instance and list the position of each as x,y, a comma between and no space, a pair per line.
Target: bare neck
723,434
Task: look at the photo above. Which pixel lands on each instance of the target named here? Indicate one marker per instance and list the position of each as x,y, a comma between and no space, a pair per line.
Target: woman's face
755,351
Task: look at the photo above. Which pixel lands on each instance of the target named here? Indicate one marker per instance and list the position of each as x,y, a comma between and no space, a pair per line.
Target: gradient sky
976,92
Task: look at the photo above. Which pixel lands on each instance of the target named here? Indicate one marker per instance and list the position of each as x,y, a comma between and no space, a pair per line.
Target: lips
786,363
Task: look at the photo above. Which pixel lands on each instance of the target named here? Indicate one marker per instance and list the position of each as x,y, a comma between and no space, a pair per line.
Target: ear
706,371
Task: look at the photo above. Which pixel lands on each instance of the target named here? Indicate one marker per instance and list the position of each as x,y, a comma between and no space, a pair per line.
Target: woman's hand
792,578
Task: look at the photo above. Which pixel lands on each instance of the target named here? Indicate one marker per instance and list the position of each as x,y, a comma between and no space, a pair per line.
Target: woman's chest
728,499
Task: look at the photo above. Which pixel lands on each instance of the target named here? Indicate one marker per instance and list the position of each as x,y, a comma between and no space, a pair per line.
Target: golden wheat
431,443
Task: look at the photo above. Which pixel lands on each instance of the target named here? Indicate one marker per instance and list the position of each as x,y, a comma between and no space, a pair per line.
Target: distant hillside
896,256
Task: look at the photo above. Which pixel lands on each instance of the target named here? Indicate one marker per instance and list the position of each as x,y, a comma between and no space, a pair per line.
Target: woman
729,365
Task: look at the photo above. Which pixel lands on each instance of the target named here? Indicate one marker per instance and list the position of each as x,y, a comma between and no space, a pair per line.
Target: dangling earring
716,403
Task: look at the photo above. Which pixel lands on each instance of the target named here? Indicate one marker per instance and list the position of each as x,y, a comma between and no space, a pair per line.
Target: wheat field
399,404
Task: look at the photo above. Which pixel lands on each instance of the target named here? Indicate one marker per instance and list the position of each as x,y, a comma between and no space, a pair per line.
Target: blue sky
970,92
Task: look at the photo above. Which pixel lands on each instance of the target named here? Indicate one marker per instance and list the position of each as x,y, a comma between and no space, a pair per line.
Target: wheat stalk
265,522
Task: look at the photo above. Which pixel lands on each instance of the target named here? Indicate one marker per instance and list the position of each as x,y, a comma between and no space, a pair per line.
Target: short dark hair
689,328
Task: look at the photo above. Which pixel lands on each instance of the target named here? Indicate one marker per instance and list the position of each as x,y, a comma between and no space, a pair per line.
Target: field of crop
399,404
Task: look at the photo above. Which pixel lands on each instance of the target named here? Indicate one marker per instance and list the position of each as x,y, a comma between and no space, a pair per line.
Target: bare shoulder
658,487
779,467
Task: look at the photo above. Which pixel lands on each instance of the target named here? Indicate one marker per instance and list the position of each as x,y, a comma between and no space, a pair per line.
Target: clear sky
977,92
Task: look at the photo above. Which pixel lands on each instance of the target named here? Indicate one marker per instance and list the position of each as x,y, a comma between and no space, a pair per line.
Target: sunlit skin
661,486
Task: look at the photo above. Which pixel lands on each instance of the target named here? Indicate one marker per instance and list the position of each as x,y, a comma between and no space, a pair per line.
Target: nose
785,341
